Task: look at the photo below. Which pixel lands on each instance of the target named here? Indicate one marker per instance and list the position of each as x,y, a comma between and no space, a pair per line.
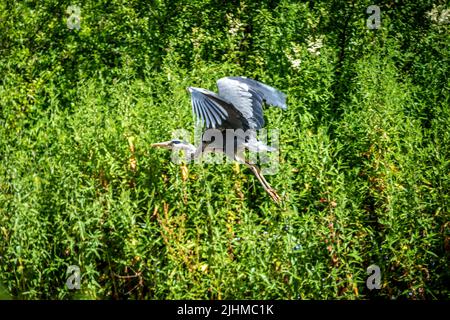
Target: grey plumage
237,106
241,96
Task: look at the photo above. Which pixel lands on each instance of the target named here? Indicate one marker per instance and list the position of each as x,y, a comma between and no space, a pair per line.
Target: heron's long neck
189,150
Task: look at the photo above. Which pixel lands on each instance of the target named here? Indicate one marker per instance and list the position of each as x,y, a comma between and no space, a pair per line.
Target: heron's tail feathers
257,146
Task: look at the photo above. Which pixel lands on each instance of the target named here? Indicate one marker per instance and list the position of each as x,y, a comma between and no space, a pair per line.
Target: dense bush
364,151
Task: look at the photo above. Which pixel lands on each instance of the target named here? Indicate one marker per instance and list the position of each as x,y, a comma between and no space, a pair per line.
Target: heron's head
177,145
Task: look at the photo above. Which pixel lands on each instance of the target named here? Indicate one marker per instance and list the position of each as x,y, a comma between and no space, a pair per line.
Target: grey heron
237,107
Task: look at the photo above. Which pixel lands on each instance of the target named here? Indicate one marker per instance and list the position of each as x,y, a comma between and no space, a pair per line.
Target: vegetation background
364,161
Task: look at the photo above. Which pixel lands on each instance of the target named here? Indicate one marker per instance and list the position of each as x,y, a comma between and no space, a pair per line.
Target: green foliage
364,161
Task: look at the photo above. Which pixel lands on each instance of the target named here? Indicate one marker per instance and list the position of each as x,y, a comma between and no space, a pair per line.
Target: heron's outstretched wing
247,95
208,107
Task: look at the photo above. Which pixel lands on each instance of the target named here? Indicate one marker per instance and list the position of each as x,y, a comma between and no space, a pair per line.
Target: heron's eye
175,141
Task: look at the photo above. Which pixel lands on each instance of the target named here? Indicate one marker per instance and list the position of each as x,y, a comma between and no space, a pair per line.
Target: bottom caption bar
225,310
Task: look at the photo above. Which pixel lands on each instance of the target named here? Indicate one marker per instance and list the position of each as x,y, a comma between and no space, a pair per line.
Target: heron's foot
274,195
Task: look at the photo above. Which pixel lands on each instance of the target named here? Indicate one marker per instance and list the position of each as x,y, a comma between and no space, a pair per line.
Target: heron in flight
237,107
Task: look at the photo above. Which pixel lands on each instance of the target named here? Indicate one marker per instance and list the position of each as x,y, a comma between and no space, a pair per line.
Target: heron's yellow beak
165,145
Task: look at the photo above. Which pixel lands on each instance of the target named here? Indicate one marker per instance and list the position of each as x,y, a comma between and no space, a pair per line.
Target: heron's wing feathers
247,95
208,107
269,94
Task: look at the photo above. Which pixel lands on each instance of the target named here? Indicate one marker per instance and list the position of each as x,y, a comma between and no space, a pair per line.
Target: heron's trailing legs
193,153
257,172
